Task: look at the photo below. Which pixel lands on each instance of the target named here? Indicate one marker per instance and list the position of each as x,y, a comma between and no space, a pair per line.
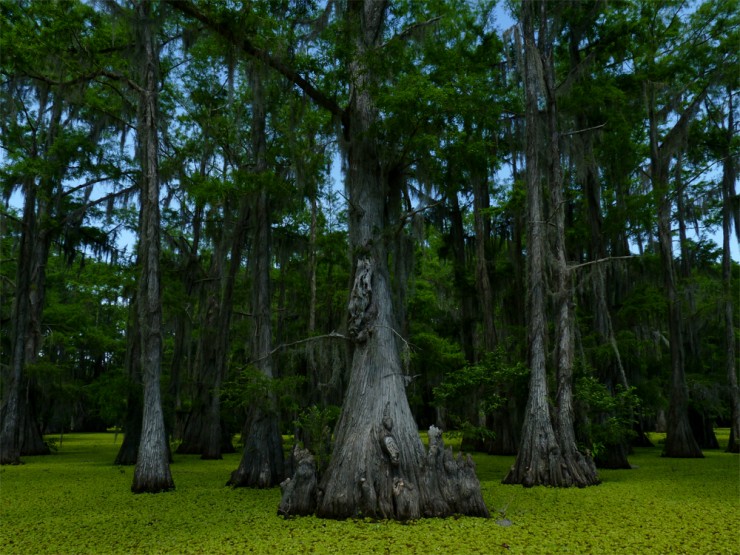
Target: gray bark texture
379,467
129,450
680,441
262,464
152,473
729,177
547,453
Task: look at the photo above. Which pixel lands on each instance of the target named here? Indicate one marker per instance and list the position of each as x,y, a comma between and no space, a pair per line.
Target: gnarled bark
379,467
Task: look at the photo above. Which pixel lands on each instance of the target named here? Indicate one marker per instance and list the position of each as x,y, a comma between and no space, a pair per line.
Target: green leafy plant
483,386
611,416
314,427
251,388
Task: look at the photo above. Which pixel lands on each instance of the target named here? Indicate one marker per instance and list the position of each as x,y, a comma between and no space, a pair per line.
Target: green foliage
611,415
314,427
76,501
483,385
251,388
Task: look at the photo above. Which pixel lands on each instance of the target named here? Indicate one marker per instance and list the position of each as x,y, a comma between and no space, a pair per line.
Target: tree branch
601,260
225,30
70,217
578,131
411,29
332,335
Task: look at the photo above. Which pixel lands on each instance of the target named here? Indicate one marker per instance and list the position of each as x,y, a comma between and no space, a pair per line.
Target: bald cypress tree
152,472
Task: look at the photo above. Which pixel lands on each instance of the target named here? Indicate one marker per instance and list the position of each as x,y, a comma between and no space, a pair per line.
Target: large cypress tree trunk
262,464
152,472
379,467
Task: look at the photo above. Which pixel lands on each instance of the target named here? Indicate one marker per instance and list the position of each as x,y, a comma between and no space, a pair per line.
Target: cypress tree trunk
481,223
10,448
379,467
680,441
581,470
152,472
538,460
19,432
262,464
129,449
502,421
462,287
547,454
729,177
202,433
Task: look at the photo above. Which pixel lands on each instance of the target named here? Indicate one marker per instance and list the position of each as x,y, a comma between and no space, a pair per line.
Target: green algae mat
77,501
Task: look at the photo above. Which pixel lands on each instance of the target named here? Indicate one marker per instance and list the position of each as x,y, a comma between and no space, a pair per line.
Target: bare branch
600,261
332,335
410,30
408,215
75,214
567,134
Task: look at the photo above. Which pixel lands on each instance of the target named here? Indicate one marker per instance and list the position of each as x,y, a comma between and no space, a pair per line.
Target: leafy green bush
483,386
611,416
314,430
251,388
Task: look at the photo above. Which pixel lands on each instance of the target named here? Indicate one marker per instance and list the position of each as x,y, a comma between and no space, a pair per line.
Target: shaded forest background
255,245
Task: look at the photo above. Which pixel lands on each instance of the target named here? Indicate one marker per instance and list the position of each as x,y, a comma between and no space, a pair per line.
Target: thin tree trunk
614,455
505,440
262,464
202,432
729,177
581,470
482,232
182,359
129,450
538,460
680,441
152,472
547,455
10,449
462,287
